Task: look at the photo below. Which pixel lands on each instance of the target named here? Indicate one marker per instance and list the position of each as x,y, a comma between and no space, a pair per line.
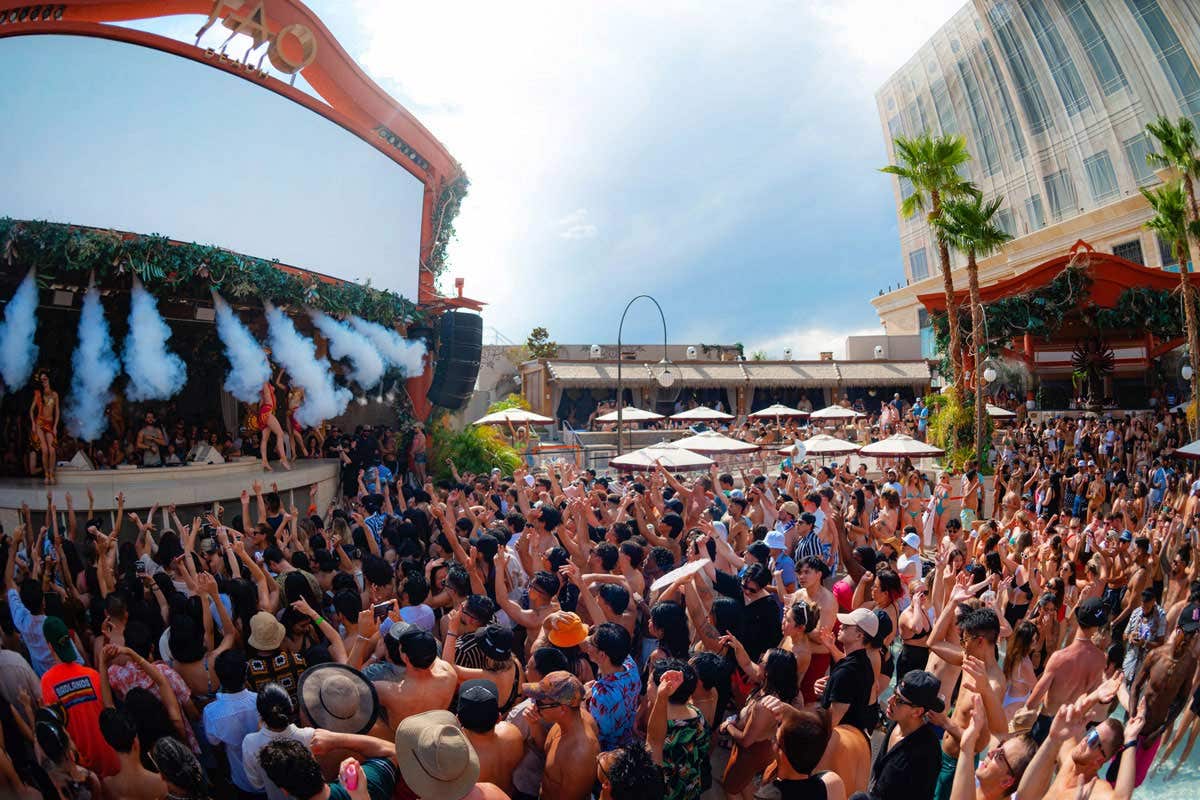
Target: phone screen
381,609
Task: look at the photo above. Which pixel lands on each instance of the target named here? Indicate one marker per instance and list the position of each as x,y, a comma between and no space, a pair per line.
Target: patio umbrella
1188,450
630,414
778,410
701,414
673,458
837,413
713,442
822,445
517,416
899,445
996,412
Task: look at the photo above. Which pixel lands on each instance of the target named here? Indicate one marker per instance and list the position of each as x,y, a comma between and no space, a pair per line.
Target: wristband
319,620
451,633
1128,745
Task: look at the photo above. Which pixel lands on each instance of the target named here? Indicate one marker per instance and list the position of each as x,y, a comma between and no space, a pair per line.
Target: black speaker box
460,340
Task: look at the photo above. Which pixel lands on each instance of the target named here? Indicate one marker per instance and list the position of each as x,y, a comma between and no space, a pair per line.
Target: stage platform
191,488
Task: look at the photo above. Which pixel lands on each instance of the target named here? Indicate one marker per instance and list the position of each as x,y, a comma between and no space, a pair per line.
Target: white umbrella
517,416
834,413
778,410
675,459
823,445
1188,450
996,412
713,442
701,414
630,414
1179,407
899,445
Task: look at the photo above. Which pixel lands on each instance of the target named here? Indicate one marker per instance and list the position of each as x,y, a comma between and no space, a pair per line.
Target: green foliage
477,449
952,428
448,204
511,401
1139,308
758,355
64,254
930,163
967,225
539,344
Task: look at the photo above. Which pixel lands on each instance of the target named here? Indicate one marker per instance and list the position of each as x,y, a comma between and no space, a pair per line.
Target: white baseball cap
912,540
863,618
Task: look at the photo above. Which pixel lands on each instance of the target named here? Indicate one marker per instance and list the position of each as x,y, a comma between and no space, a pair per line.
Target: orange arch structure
295,41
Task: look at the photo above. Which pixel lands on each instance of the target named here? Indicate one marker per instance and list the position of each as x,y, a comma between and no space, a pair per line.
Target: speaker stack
460,341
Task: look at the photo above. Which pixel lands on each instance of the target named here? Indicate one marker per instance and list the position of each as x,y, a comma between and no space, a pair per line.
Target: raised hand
303,607
669,682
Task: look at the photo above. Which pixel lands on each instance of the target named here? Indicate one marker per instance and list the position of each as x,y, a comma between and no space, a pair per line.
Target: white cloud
576,226
808,343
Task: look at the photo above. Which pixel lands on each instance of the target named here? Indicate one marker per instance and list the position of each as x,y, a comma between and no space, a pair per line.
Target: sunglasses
544,705
998,754
1092,740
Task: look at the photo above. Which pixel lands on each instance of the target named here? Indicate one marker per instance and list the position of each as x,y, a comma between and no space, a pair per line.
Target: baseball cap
1189,619
863,618
1126,536
478,705
1091,613
922,689
774,539
58,636
912,540
558,687
737,494
790,507
496,642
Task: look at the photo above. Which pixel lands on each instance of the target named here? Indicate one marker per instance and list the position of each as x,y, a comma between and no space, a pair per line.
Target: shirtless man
429,682
571,746
1139,579
810,573
1163,685
500,744
1070,672
543,588
970,498
132,780
417,453
983,678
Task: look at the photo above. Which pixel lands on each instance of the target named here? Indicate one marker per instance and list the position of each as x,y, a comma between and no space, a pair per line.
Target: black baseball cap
922,689
1189,619
478,705
1091,613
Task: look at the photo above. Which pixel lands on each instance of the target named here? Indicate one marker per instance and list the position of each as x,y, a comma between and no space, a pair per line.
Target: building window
896,130
1035,212
1102,180
1130,251
1100,55
1058,58
1029,92
1005,221
1136,150
995,79
980,119
1179,69
1060,194
944,106
918,265
915,117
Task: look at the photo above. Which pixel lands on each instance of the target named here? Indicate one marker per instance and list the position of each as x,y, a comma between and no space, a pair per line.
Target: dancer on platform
268,424
295,398
43,413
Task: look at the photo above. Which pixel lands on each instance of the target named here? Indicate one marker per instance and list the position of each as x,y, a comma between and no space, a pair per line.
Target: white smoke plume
298,355
18,353
155,373
94,368
248,365
406,354
345,343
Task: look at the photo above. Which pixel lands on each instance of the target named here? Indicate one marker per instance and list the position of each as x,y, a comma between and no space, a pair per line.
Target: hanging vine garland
68,254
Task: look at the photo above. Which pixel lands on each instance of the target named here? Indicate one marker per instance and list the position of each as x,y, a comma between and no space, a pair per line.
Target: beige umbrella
517,416
673,458
834,413
713,442
822,445
1188,450
778,410
630,414
701,414
899,445
996,412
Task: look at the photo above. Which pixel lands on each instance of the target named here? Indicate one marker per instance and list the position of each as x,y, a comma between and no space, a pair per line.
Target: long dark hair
781,677
670,618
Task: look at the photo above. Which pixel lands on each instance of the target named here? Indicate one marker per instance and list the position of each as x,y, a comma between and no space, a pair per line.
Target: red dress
266,407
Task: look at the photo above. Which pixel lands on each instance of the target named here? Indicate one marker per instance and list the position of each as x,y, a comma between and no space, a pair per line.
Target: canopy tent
778,410
996,412
822,445
630,414
517,416
899,445
702,414
672,457
1188,450
713,442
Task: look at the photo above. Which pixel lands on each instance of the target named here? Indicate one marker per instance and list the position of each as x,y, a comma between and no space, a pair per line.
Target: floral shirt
123,677
685,757
613,703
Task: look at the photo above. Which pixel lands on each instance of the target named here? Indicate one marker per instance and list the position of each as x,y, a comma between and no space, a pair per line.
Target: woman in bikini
44,416
268,424
295,399
914,497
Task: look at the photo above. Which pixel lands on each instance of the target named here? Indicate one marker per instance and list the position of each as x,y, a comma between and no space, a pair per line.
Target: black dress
810,788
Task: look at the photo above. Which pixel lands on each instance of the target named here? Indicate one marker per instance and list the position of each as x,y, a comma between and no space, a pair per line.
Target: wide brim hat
266,632
338,698
569,632
435,757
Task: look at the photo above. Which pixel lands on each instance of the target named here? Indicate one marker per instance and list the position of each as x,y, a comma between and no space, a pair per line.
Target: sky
722,157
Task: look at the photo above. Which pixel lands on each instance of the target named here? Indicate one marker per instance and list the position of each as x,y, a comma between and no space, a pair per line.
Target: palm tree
930,163
1170,223
968,226
1179,154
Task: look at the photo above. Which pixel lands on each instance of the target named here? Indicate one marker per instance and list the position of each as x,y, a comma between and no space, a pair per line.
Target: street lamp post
665,378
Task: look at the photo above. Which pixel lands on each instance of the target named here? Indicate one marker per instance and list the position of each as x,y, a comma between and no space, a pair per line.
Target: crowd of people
1025,628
